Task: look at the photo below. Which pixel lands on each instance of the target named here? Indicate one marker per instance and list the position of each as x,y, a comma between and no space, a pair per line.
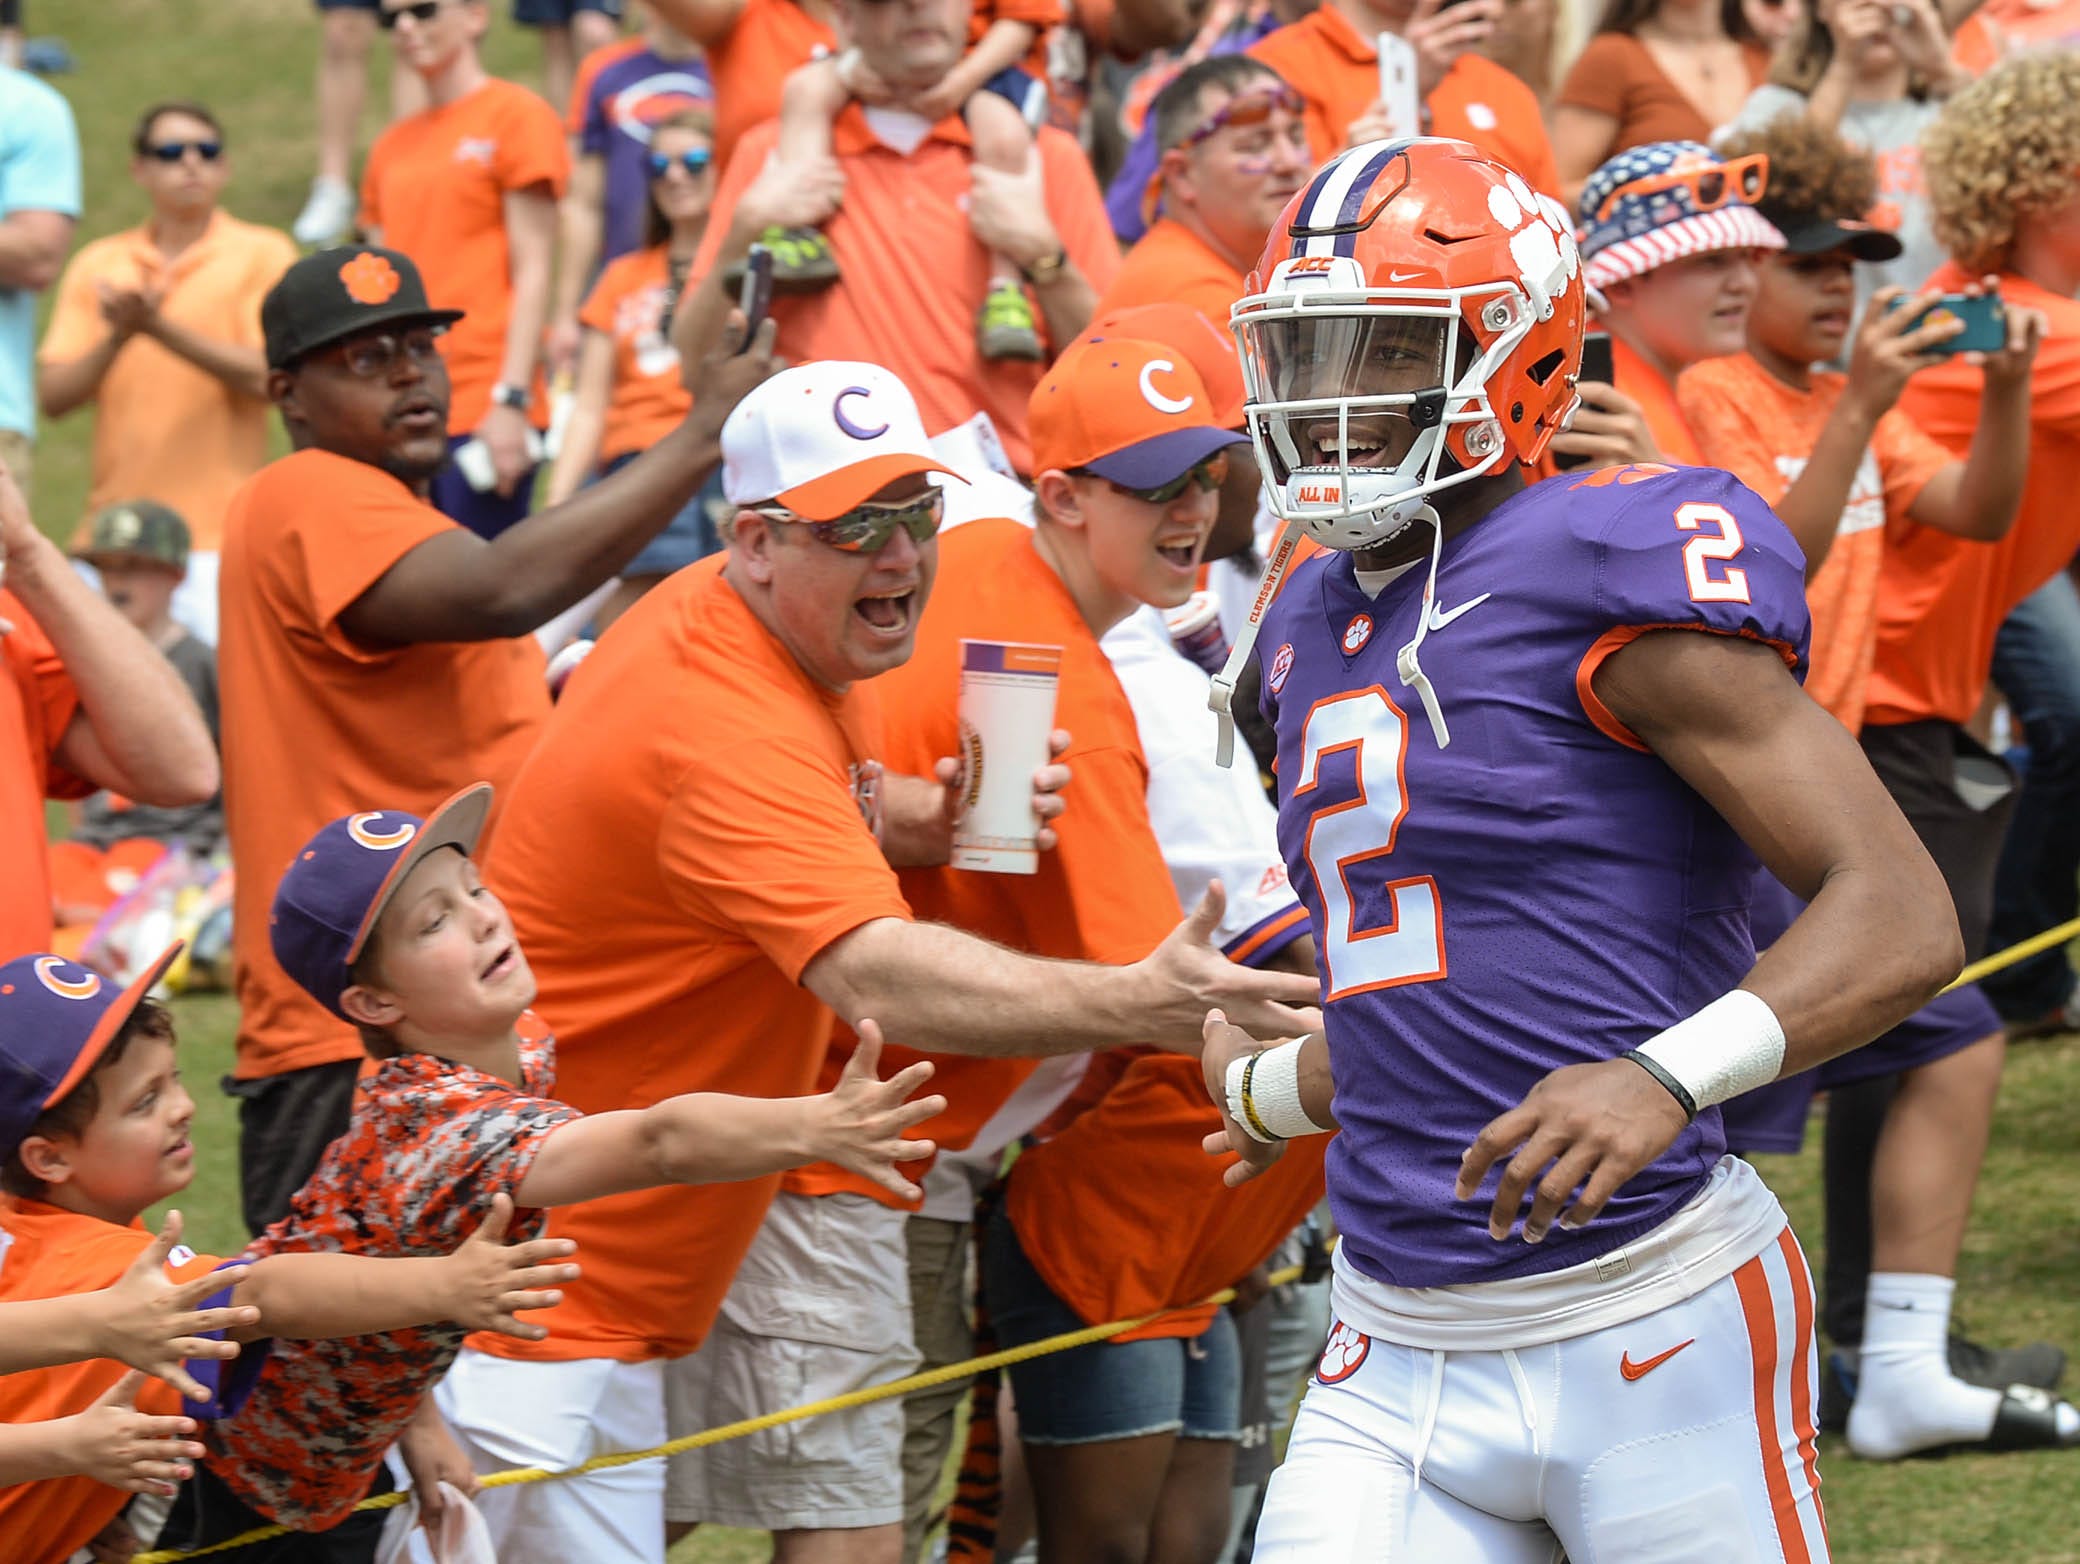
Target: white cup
1007,714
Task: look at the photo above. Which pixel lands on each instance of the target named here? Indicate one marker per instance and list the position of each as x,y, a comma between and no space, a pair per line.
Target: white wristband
1264,1095
1733,1045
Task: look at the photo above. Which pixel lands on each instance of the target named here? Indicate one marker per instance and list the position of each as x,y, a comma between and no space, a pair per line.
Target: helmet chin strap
1222,698
1405,660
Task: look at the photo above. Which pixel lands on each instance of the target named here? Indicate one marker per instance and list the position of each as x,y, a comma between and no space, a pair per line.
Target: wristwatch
1047,268
518,398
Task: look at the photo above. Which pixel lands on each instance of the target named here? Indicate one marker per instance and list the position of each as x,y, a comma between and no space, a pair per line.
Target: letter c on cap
1156,399
47,975
358,827
857,431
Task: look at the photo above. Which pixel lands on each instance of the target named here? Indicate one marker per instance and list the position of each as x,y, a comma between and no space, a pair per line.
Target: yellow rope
2021,951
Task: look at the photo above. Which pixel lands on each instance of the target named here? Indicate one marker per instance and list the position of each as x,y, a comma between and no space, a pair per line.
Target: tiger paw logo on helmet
370,279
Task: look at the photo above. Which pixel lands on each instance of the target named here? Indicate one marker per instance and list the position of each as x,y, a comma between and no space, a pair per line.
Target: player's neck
1062,550
456,80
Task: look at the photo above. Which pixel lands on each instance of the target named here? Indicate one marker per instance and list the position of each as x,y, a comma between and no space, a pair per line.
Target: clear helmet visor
1343,388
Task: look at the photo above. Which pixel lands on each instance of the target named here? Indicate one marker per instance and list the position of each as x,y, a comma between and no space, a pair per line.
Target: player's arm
940,990
1878,939
483,1285
713,1138
455,586
1978,497
1288,1093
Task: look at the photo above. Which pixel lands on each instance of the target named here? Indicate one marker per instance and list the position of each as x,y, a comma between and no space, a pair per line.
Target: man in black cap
371,648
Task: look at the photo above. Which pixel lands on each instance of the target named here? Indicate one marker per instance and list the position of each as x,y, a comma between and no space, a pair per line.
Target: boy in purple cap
380,922
93,1129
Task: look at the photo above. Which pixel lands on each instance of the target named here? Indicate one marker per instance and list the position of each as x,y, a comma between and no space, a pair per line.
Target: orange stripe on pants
1761,1314
1801,1385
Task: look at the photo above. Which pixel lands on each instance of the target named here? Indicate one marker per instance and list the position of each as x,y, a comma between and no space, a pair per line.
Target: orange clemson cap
1210,348
1132,411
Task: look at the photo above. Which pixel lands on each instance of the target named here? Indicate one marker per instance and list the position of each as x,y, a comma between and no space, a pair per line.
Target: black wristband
1676,1088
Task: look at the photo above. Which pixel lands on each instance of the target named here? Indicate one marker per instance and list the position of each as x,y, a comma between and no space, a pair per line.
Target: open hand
153,1324
1222,1045
1186,976
1586,1126
1891,344
114,1443
490,1281
860,1121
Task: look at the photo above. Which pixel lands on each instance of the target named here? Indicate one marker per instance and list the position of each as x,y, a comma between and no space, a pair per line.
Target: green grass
252,60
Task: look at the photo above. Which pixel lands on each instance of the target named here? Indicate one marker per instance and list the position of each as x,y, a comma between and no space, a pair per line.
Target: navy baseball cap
57,1019
327,904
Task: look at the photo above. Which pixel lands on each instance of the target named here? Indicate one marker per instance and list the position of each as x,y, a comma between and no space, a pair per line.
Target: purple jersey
620,103
1543,892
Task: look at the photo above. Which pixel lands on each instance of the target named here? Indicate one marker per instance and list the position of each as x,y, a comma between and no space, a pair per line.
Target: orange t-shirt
2001,28
627,306
317,725
1941,599
1123,1213
163,428
1104,893
1762,431
1043,16
915,276
1336,69
1646,385
1172,265
689,836
435,184
748,65
37,702
1615,74
49,1252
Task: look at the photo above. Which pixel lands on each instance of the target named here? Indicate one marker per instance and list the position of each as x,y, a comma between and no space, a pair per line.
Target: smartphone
755,295
1397,85
1985,320
1596,365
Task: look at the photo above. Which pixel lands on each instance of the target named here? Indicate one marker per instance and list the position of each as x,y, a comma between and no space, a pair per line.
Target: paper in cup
1007,713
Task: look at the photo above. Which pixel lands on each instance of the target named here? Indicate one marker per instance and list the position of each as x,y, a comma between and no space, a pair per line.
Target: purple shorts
1772,1118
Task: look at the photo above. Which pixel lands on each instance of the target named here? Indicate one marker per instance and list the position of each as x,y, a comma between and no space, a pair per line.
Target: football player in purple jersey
1532,744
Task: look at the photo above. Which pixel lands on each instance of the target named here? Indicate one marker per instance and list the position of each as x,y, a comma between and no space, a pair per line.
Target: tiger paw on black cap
337,293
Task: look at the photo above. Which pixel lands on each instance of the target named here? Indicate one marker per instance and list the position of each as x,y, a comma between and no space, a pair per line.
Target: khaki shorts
820,1306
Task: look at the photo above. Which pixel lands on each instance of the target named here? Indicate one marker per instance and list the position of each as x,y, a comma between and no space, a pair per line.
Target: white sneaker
326,215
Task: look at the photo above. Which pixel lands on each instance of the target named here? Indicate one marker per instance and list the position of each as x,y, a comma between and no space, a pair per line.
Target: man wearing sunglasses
157,329
374,648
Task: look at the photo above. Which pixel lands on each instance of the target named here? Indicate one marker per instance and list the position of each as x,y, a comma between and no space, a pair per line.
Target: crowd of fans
526,406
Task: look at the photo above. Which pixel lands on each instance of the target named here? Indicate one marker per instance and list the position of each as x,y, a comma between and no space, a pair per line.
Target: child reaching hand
999,90
382,918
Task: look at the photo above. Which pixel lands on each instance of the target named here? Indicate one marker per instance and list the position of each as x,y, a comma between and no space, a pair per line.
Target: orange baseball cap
1127,409
1210,348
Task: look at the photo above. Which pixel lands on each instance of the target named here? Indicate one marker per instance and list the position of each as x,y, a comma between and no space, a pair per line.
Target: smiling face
1355,357
1115,550
1804,307
446,965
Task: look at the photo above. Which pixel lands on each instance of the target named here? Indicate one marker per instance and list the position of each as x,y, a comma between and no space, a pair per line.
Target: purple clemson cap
327,903
56,1019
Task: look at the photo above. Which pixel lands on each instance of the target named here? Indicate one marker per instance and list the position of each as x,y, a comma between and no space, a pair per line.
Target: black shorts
285,1122
205,1512
1957,794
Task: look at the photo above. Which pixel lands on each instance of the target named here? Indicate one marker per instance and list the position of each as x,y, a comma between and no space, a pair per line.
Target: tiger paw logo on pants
1346,1349
370,279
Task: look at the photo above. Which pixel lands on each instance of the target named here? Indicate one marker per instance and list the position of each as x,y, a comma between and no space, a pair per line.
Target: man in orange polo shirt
914,234
158,327
468,188
1332,59
1233,149
711,788
374,649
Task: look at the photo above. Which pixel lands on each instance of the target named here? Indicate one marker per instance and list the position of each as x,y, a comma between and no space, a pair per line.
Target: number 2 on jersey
1346,841
1708,549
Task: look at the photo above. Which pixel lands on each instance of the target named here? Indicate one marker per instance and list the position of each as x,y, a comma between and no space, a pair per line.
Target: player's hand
859,1123
1221,1045
1049,782
1008,212
725,377
1440,34
1586,1127
433,1457
1891,344
115,1444
1185,976
152,1324
1609,428
489,1281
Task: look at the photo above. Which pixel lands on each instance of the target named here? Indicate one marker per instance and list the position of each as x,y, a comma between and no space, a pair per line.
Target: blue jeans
2036,664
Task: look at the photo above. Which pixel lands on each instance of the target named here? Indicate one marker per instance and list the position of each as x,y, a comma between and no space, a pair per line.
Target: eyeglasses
373,355
1711,186
422,13
867,529
1251,107
174,151
1206,476
694,160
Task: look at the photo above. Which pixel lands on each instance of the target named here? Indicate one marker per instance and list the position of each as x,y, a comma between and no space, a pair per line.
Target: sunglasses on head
423,12
174,151
375,354
1252,106
1711,186
694,160
867,529
1206,476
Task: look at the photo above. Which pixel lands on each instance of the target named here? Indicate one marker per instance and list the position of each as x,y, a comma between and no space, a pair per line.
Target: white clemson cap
820,438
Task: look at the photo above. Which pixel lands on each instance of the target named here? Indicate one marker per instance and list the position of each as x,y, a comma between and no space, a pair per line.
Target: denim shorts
687,537
1111,1389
